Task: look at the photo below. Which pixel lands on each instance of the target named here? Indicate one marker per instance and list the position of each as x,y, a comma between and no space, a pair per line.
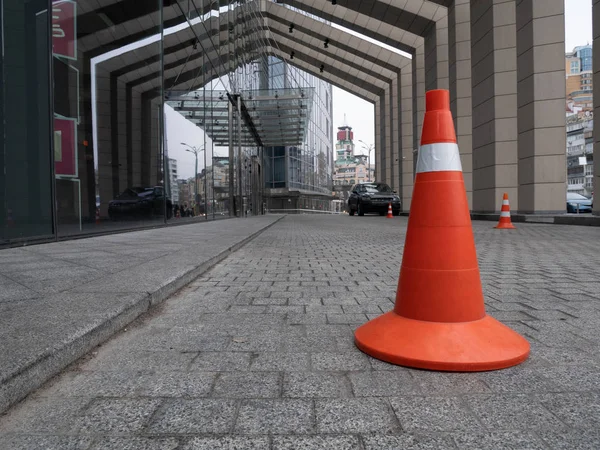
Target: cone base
505,226
481,345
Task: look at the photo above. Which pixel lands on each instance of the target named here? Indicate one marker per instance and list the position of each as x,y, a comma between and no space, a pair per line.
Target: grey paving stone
572,439
383,383
227,443
500,440
221,361
574,409
347,318
306,385
433,414
44,416
441,383
140,361
355,416
36,442
280,361
512,412
187,416
116,415
406,441
248,385
175,384
339,361
93,384
518,380
13,291
284,416
135,443
316,443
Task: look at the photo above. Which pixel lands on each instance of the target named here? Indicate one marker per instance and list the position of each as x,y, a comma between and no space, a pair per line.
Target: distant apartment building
580,153
172,179
579,77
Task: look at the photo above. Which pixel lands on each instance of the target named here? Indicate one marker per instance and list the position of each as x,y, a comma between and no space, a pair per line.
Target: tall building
349,168
173,186
299,177
579,77
580,153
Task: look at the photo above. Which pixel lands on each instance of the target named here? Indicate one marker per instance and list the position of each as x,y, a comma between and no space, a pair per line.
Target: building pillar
436,55
596,81
408,148
395,134
418,97
494,100
541,105
379,143
459,54
387,121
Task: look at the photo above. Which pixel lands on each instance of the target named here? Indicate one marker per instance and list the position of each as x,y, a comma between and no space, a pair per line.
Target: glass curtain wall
25,121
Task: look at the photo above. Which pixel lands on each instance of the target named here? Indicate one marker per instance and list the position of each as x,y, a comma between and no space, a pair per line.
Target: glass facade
120,114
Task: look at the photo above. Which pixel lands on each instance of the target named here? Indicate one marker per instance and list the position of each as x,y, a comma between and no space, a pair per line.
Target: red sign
64,29
65,147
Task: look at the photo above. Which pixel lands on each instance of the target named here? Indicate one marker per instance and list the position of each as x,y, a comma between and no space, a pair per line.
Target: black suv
373,197
140,202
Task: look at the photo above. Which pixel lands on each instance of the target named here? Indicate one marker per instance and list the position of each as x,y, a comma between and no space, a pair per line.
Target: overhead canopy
273,117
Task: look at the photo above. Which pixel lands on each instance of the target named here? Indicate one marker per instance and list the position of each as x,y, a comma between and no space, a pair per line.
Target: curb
54,360
590,221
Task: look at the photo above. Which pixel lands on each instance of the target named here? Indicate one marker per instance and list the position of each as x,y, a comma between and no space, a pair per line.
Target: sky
359,113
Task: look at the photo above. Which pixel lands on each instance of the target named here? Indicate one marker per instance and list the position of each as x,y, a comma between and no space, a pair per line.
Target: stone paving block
280,361
362,415
11,291
383,383
307,318
574,378
324,442
347,318
306,385
406,441
441,383
512,412
44,416
108,415
499,440
187,416
25,442
221,361
518,380
139,361
227,443
574,409
248,385
92,384
175,384
434,414
283,416
572,439
135,443
339,361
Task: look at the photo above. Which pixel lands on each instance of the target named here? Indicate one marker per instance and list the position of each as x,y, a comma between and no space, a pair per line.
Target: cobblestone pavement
258,354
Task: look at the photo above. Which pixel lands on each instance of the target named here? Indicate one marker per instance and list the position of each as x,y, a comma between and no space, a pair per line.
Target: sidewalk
59,300
258,353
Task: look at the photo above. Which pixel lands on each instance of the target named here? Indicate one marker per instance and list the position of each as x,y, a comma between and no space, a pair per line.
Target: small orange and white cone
390,215
505,223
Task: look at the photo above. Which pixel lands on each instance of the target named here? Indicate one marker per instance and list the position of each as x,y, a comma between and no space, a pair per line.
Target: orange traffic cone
504,223
439,320
389,214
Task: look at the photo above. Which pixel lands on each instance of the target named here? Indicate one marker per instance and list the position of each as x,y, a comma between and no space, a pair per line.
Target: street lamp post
368,147
195,151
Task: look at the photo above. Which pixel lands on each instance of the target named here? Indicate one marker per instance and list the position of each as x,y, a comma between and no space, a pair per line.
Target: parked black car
140,202
373,197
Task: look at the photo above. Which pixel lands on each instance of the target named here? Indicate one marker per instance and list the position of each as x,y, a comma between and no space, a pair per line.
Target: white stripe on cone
505,214
439,157
504,202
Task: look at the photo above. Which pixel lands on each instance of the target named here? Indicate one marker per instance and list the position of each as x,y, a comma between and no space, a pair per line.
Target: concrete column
104,143
387,121
494,100
136,137
436,55
459,53
397,135
379,142
541,103
418,96
596,63
406,102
